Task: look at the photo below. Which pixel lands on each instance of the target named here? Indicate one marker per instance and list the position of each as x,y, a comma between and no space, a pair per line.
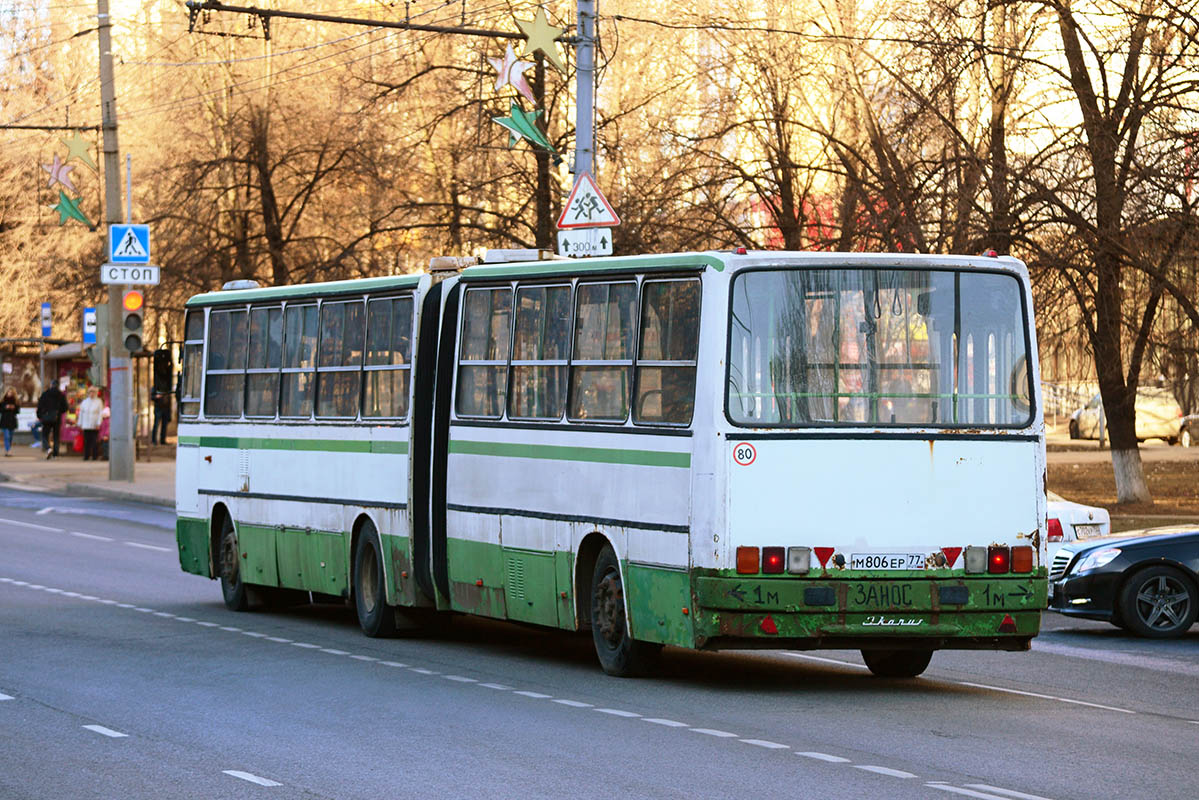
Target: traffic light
97,373
164,377
131,320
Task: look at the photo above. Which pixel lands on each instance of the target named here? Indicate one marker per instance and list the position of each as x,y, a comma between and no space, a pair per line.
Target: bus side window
539,352
299,361
601,366
226,374
388,357
483,357
266,356
339,365
193,354
668,344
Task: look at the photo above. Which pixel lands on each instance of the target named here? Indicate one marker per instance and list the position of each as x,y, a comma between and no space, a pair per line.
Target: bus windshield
880,347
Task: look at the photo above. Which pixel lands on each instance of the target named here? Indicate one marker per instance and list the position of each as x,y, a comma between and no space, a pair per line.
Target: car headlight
1097,559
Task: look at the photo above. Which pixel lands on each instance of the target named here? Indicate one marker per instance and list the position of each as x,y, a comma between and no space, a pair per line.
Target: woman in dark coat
9,407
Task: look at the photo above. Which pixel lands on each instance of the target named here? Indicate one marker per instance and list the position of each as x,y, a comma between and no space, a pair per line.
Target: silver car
1158,416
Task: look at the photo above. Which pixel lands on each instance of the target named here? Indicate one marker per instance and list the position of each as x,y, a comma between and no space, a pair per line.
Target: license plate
1087,531
886,561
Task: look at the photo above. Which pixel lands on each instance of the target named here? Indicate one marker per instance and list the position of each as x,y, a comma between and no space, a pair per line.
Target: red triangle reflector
768,625
1008,625
823,553
951,555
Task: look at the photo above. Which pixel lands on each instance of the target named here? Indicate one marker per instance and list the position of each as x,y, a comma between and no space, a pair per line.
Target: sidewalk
154,474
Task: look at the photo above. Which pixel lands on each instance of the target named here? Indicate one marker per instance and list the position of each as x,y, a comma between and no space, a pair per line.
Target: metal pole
128,188
120,424
585,79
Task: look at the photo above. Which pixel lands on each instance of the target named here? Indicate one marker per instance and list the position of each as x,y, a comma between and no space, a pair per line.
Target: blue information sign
89,326
45,319
129,244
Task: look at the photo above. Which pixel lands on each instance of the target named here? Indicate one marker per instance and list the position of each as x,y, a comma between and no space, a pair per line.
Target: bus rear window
915,348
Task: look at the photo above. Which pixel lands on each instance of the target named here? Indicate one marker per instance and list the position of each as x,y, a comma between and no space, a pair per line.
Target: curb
127,495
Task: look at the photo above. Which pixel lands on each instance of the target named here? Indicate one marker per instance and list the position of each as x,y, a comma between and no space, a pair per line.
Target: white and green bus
706,450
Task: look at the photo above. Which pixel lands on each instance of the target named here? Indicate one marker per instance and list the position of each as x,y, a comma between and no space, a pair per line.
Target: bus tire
375,617
619,653
236,593
897,663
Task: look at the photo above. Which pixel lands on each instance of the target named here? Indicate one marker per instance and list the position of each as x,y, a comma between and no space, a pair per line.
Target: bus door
447,349
420,466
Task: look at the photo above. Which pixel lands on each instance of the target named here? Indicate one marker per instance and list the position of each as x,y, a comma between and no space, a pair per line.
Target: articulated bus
709,450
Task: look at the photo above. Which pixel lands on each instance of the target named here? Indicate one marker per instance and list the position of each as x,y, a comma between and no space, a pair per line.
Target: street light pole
120,385
585,79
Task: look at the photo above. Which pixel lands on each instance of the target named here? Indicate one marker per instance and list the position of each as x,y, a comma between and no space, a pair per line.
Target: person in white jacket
91,413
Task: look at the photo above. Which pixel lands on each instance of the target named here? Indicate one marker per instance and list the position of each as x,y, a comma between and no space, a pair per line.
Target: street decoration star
78,147
522,124
68,208
59,174
541,35
511,72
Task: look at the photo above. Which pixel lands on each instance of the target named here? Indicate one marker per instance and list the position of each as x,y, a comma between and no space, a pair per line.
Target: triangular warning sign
130,247
586,206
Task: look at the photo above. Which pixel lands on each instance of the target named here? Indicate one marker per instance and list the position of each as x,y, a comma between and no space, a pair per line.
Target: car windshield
883,347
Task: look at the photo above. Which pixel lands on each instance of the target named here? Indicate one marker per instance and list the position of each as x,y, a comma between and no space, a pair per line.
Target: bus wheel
619,653
370,598
237,596
897,663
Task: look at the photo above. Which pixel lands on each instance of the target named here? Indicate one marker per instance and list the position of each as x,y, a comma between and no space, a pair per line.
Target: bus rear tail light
747,560
1055,530
1022,559
976,559
999,559
799,560
773,560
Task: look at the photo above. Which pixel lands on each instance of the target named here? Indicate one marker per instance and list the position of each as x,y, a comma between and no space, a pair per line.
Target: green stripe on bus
310,445
598,455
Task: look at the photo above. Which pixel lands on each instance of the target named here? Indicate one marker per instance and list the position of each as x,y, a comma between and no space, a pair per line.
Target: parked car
1072,522
1189,430
1158,416
1146,582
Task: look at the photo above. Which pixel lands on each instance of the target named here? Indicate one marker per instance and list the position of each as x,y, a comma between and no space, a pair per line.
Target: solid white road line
1006,792
246,776
1045,697
151,547
109,732
894,773
83,535
825,757
823,660
35,526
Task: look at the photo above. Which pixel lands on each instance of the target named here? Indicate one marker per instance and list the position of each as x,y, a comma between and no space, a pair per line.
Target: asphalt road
122,677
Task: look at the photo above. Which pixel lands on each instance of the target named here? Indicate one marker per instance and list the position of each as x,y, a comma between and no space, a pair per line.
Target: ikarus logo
895,622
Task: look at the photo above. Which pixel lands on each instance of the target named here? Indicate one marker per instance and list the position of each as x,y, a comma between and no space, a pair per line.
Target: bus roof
608,264
327,289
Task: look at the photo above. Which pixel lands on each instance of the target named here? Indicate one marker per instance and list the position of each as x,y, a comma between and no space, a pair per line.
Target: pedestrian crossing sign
129,244
586,207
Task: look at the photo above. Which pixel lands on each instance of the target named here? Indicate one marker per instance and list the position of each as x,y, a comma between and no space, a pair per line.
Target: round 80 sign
744,453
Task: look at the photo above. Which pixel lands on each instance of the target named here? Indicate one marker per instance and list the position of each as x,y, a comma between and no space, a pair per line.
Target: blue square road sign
129,244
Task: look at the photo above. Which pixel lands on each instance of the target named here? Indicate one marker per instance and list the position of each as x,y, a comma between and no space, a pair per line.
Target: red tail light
1055,529
773,559
747,560
999,559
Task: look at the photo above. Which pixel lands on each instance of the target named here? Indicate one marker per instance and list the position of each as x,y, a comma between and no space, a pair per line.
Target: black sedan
1146,582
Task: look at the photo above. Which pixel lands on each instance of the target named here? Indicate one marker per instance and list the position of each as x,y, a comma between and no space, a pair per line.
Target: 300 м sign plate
886,561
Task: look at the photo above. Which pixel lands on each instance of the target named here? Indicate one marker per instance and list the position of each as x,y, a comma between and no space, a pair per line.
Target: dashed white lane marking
1045,697
278,639
83,535
764,743
1005,792
254,635
306,645
207,624
388,663
669,723
180,619
534,695
334,651
967,792
151,547
501,687
246,776
616,712
714,732
5,697
421,671
460,679
894,773
573,703
826,660
109,732
33,525
824,757
356,658
230,628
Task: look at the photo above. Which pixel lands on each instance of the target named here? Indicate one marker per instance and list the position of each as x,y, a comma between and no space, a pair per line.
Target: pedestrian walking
91,413
50,408
9,407
162,416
